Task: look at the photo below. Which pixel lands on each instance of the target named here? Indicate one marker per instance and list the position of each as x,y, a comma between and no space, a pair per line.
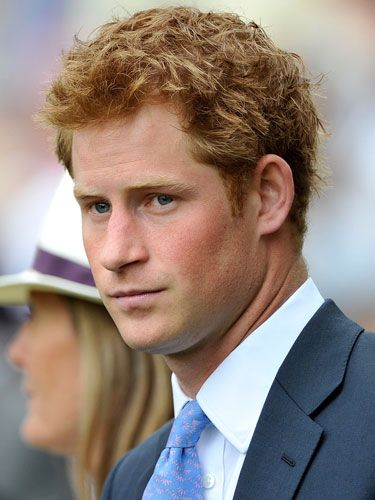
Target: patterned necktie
177,474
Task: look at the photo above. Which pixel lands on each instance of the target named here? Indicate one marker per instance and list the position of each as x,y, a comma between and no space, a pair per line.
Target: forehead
152,126
146,147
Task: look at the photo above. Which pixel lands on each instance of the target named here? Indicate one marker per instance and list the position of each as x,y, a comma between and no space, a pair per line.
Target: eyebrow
160,184
83,193
157,184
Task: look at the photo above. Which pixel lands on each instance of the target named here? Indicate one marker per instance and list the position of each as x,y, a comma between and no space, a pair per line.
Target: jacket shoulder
361,366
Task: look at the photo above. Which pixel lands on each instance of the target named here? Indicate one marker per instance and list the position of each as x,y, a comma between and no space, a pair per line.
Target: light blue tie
177,473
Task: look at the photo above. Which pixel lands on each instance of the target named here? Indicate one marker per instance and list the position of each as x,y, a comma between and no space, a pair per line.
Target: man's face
174,267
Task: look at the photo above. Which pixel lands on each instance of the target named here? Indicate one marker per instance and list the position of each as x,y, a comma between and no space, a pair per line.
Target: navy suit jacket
315,438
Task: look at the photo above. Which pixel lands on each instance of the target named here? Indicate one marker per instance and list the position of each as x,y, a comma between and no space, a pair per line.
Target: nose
124,242
17,349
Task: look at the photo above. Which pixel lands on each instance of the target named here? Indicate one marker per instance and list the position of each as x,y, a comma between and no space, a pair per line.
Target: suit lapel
286,436
282,446
148,463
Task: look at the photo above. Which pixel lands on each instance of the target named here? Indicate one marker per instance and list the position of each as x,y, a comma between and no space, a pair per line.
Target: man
192,140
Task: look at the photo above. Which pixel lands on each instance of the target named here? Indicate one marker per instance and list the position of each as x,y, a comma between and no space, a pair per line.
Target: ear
275,187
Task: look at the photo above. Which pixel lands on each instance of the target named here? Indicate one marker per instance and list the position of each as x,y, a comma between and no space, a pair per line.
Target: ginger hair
239,96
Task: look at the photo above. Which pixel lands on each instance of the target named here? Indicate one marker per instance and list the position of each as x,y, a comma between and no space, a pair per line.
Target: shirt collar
242,381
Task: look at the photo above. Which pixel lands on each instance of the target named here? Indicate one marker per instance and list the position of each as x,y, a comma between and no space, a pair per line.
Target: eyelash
154,197
94,205
151,200
90,207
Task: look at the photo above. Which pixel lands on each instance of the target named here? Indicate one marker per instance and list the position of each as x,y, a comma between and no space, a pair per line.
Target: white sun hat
60,263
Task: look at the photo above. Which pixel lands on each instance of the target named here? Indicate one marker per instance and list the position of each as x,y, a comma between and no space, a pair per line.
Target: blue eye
101,207
164,199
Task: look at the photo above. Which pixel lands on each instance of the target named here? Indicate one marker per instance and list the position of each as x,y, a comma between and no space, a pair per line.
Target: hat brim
15,288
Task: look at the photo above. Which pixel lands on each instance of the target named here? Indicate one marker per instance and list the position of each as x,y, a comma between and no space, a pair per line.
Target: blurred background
336,38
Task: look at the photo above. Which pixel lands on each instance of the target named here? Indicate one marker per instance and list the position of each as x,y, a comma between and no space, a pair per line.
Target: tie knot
188,426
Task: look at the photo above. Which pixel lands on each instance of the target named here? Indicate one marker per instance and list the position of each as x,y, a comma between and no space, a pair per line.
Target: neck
194,367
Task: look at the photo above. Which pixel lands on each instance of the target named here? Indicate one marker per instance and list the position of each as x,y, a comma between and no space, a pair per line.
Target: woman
89,395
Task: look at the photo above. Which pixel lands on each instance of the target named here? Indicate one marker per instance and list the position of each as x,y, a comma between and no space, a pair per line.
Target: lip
136,299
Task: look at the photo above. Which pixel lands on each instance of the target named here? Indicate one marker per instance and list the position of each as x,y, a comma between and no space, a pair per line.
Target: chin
165,340
34,434
141,338
38,435
145,344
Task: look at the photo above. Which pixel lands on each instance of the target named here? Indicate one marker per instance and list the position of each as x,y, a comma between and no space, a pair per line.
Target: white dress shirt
234,394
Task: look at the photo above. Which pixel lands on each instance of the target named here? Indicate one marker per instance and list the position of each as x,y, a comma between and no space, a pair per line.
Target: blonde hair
126,396
239,96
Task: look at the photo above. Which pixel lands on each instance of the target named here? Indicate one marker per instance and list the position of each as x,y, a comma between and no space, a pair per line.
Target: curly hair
238,95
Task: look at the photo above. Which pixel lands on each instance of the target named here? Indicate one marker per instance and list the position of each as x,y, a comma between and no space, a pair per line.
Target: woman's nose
17,349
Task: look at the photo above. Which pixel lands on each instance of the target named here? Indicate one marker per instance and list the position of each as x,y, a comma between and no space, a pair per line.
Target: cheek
202,249
89,242
53,411
93,249
216,258
52,428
